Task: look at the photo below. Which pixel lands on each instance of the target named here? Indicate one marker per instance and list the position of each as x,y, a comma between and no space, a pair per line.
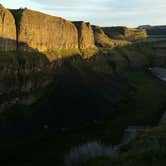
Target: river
159,72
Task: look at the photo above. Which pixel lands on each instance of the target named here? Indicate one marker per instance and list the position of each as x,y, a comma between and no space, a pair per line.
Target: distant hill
154,30
125,33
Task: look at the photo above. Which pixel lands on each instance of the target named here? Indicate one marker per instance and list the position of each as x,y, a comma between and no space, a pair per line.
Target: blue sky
100,12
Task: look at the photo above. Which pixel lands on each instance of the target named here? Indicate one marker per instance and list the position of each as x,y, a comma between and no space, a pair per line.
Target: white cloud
101,12
14,4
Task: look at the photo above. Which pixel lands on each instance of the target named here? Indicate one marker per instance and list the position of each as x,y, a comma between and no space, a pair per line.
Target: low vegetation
149,149
111,90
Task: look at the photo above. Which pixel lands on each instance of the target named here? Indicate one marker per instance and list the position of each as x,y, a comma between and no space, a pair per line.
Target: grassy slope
142,105
147,150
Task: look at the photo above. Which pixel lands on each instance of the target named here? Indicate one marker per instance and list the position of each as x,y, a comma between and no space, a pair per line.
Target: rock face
29,30
125,33
43,32
101,39
85,35
7,30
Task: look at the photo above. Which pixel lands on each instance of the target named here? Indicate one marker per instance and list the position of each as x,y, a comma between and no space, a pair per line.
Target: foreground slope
86,99
147,150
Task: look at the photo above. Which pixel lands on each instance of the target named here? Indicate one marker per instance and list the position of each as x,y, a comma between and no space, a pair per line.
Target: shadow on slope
83,92
79,91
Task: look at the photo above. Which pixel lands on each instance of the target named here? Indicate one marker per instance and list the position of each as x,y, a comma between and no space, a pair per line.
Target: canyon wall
43,32
30,30
104,41
85,35
125,33
7,30
101,39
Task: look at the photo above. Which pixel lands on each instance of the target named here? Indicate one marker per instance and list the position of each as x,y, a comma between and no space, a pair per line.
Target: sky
130,13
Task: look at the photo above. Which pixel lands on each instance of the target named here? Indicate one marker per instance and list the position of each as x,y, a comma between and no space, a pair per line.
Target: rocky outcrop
125,33
43,32
7,30
85,35
29,30
101,39
34,31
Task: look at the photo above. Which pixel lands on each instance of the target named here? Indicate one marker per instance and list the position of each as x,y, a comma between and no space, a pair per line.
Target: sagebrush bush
79,155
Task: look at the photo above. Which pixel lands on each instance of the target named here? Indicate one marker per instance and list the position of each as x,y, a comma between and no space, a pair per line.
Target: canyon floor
88,100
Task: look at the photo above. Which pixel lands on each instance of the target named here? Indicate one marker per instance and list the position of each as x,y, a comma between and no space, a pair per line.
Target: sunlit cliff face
42,32
7,30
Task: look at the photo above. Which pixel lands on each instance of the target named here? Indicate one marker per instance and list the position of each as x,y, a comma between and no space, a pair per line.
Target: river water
159,72
80,154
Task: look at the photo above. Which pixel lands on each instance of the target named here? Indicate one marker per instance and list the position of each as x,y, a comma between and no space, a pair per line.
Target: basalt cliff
29,30
33,45
32,30
7,30
63,83
43,32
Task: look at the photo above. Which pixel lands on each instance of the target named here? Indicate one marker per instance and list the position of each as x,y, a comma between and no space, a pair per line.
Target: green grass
61,53
141,103
142,106
149,149
99,161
